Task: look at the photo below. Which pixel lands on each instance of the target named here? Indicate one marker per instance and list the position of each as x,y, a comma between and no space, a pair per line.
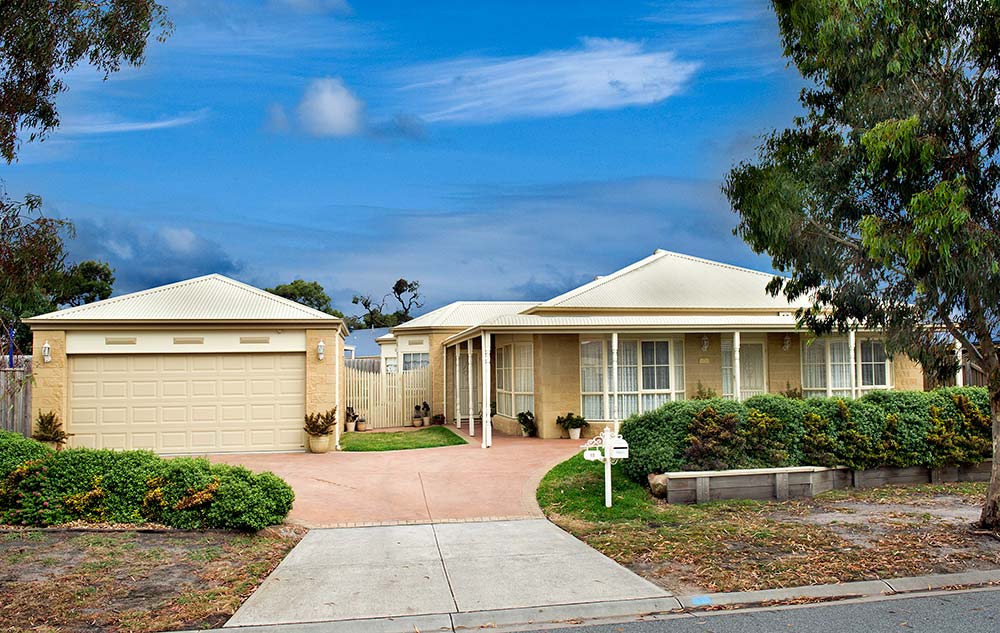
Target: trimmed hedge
42,487
945,427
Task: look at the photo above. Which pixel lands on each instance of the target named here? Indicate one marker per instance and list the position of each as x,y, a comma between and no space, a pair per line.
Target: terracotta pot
426,420
417,421
574,434
351,426
319,444
362,426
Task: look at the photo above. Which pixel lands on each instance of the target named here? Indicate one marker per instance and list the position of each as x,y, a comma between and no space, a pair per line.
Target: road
944,612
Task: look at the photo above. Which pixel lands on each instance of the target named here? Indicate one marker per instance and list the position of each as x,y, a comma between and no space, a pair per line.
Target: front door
753,379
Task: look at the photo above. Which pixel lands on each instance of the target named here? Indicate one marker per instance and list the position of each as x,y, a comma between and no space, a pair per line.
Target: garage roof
462,314
212,298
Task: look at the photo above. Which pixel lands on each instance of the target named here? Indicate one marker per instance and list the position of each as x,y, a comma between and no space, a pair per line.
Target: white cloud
315,6
603,74
328,108
110,124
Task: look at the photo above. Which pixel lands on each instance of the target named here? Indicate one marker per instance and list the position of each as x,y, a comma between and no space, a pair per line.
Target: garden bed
431,437
96,581
739,545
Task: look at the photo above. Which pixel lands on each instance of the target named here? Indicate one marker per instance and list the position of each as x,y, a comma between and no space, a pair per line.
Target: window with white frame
515,379
827,369
650,373
876,366
413,361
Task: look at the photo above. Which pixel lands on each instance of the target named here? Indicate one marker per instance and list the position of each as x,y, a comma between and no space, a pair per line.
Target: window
827,369
515,379
391,366
413,361
650,373
876,367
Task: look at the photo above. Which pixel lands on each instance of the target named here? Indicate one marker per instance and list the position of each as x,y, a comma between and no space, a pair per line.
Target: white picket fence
387,400
15,396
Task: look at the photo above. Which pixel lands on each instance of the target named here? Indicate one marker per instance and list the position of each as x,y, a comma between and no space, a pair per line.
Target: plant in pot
572,424
425,413
527,420
362,423
49,430
351,419
418,416
319,427
438,419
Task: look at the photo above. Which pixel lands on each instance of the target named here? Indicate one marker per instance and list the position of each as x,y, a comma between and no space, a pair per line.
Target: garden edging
796,482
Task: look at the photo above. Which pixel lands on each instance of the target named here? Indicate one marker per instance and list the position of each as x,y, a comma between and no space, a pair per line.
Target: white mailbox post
608,447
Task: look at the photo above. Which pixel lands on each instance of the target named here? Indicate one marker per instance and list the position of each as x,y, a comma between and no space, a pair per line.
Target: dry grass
130,581
744,545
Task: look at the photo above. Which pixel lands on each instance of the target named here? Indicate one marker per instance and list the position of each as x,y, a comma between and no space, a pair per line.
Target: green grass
431,437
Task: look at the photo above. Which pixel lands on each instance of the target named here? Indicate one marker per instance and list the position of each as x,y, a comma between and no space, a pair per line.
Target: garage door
188,403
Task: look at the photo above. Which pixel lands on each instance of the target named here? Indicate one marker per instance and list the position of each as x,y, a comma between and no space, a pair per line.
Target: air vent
255,340
119,340
189,340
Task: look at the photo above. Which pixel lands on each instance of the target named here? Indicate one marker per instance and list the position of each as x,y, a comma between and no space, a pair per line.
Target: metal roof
672,280
212,298
622,323
463,314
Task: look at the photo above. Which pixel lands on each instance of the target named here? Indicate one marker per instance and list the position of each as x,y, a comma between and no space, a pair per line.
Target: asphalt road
946,612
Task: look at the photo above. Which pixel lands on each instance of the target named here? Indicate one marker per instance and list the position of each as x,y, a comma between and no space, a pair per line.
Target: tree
308,293
881,200
82,283
406,293
42,41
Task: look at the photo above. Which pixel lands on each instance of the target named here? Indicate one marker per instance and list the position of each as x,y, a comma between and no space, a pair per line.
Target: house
205,365
650,333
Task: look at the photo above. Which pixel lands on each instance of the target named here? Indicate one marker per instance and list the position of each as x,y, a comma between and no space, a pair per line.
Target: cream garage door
187,403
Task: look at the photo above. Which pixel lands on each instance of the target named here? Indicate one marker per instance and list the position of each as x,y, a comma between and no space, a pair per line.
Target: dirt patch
119,581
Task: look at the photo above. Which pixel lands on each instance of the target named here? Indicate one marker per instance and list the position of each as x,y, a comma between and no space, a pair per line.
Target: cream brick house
627,342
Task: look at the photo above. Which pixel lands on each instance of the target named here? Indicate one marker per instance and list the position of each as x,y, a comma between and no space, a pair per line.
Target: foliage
571,421
41,42
882,200
405,293
527,421
321,423
792,392
136,487
425,408
81,283
438,418
308,293
49,428
16,449
704,393
945,427
429,437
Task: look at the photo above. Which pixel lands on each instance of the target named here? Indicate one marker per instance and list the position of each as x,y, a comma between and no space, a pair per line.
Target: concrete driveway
453,483
446,577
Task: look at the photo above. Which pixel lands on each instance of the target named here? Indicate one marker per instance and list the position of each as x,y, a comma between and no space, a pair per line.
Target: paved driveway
444,577
453,483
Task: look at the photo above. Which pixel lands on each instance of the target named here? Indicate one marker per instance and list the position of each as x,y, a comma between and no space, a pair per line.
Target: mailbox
593,455
619,449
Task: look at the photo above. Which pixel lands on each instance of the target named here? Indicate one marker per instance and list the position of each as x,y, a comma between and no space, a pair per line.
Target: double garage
208,365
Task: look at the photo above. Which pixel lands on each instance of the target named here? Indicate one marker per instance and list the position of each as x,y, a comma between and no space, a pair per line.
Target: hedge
42,487
945,427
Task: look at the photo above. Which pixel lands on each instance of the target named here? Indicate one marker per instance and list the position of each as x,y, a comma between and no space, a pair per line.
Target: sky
490,150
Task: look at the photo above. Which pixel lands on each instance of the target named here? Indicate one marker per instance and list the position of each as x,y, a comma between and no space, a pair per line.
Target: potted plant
527,420
49,430
572,424
351,419
319,427
438,419
425,413
418,416
362,423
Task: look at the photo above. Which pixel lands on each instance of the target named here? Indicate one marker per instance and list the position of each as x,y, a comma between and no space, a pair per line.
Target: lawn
431,437
103,582
748,545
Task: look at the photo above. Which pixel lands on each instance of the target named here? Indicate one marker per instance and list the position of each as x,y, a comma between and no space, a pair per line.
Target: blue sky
491,150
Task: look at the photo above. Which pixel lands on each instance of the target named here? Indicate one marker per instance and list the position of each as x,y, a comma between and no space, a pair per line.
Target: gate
387,400
15,396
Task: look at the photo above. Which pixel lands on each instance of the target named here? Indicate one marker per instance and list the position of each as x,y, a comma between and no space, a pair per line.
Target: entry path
452,483
444,576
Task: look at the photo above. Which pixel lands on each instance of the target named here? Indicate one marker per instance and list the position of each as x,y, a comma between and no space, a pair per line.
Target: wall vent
255,340
119,340
189,340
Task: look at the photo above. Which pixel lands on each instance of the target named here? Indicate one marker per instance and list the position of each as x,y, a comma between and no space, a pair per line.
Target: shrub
704,393
137,486
765,440
714,442
16,449
571,421
48,428
527,421
321,424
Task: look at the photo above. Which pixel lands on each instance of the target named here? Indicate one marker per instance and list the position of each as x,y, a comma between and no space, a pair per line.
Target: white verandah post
458,387
959,375
487,413
614,380
472,403
737,390
852,341
338,358
444,388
